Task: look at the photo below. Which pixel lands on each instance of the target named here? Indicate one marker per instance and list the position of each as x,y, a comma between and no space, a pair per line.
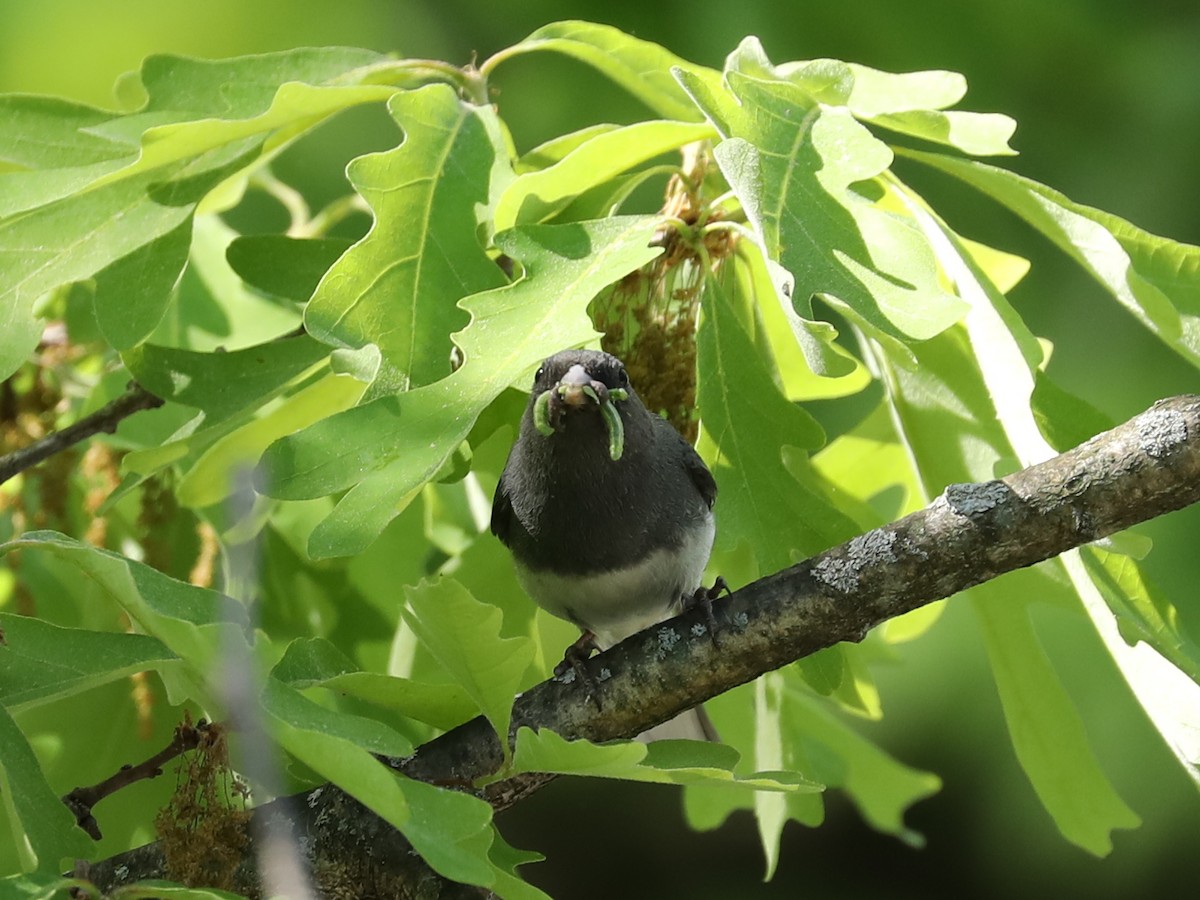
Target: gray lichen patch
1160,431
837,572
972,500
667,639
841,571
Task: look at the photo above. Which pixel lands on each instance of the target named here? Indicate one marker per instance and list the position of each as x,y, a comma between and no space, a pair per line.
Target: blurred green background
1107,97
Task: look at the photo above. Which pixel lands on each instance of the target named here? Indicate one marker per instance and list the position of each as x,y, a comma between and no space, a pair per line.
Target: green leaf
196,106
811,365
979,134
308,662
505,859
221,461
781,512
397,287
52,133
441,705
1143,613
877,93
661,762
40,662
1156,657
213,309
536,196
767,734
451,830
869,463
194,623
132,293
1066,421
1046,729
84,226
792,164
43,831
640,67
554,150
57,142
284,266
315,662
1156,279
337,759
71,240
912,102
222,384
448,828
287,704
388,448
245,86
880,787
463,635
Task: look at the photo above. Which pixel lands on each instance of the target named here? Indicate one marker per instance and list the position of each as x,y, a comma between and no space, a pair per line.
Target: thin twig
105,419
81,800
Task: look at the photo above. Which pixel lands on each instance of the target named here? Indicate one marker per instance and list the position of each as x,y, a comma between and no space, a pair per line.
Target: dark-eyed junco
606,508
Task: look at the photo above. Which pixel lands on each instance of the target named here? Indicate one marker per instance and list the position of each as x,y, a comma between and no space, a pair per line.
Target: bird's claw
573,661
703,597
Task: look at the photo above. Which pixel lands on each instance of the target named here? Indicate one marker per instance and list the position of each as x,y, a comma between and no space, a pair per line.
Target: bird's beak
577,387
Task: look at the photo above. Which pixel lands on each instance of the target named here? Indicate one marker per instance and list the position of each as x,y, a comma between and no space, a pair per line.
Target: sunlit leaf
397,288
747,422
793,163
1147,640
463,634
640,67
1156,279
1046,730
535,196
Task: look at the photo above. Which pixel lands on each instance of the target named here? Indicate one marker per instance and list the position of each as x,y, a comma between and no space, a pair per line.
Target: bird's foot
573,661
703,597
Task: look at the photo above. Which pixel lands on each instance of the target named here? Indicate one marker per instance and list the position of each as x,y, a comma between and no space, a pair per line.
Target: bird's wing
502,511
692,463
701,477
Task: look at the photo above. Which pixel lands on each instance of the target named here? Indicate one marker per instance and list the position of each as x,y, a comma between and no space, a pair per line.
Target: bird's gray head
574,383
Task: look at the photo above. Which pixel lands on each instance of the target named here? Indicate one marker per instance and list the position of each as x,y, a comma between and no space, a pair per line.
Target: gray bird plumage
613,546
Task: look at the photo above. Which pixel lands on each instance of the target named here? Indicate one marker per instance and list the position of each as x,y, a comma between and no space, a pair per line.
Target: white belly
614,605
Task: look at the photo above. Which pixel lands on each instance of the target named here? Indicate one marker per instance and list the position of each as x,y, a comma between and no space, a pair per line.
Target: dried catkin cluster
648,319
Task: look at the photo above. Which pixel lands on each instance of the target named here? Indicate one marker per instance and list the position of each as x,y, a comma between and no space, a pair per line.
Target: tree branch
971,533
105,419
81,800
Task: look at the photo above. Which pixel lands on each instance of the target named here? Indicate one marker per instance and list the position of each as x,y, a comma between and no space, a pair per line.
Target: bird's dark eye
540,372
622,378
